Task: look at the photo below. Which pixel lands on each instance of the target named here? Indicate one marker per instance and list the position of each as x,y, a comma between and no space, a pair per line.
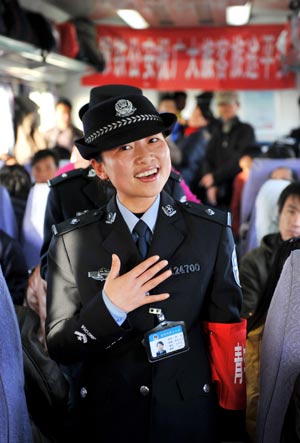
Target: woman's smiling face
138,170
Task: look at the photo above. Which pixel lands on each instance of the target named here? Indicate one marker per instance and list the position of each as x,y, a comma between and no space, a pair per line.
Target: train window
46,103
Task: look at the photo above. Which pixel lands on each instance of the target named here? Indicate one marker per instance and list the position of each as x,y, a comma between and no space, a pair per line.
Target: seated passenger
43,166
266,215
255,265
14,419
16,179
14,267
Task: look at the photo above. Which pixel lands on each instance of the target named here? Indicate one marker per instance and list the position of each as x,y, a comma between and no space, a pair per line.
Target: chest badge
100,275
169,210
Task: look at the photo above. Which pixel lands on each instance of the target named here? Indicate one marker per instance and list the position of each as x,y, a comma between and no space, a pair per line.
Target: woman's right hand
131,290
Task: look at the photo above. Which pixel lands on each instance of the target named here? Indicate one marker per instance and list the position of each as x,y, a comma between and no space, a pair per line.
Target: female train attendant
115,290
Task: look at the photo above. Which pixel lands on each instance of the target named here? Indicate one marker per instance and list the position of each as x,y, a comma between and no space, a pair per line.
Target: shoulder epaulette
79,221
84,172
176,176
209,213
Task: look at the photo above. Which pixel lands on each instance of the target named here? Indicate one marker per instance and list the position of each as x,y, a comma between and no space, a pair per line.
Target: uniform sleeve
75,327
226,333
224,301
53,215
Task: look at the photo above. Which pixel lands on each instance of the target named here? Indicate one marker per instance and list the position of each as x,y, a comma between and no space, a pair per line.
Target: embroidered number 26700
186,269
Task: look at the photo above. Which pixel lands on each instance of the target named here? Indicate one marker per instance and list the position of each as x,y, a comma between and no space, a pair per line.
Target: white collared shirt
149,217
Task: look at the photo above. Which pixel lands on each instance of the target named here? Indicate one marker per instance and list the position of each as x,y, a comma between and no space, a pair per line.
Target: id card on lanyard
166,340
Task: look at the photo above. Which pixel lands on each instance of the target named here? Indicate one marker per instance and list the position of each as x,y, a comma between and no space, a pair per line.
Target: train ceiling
166,13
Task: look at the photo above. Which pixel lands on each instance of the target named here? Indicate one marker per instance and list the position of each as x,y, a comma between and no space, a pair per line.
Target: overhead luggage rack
25,60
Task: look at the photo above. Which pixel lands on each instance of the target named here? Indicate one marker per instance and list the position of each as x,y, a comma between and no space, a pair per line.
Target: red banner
204,58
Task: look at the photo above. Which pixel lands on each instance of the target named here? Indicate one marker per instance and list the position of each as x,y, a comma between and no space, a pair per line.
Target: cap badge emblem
124,108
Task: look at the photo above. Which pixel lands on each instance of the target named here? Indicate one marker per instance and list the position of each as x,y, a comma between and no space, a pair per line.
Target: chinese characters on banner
204,58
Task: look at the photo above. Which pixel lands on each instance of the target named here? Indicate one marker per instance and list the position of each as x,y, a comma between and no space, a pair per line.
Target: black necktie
142,237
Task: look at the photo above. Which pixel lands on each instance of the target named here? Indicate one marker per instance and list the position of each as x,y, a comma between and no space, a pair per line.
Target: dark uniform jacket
123,397
77,191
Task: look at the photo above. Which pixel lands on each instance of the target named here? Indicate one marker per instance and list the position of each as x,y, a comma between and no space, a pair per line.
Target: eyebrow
293,206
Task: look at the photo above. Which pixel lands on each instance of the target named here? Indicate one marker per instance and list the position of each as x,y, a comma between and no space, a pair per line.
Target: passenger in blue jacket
14,420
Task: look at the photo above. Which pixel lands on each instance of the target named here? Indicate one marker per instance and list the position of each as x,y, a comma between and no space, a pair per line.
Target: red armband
227,344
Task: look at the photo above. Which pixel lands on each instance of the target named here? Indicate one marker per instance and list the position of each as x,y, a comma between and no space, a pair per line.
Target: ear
99,169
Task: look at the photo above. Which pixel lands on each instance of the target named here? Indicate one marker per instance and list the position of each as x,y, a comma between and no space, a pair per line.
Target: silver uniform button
206,388
144,390
83,392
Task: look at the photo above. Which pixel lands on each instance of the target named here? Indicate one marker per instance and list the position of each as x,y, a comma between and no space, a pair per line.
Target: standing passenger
115,290
64,132
224,150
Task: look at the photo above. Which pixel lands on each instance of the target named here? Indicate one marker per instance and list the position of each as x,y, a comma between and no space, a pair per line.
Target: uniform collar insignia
124,108
91,173
100,275
169,210
235,267
110,218
209,211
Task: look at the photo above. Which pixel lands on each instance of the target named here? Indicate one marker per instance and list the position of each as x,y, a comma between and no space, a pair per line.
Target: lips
147,173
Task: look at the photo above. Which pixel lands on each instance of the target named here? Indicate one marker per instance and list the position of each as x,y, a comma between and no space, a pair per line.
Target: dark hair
42,154
167,96
63,101
16,179
203,102
253,151
180,99
61,152
292,189
160,343
180,94
22,107
280,256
